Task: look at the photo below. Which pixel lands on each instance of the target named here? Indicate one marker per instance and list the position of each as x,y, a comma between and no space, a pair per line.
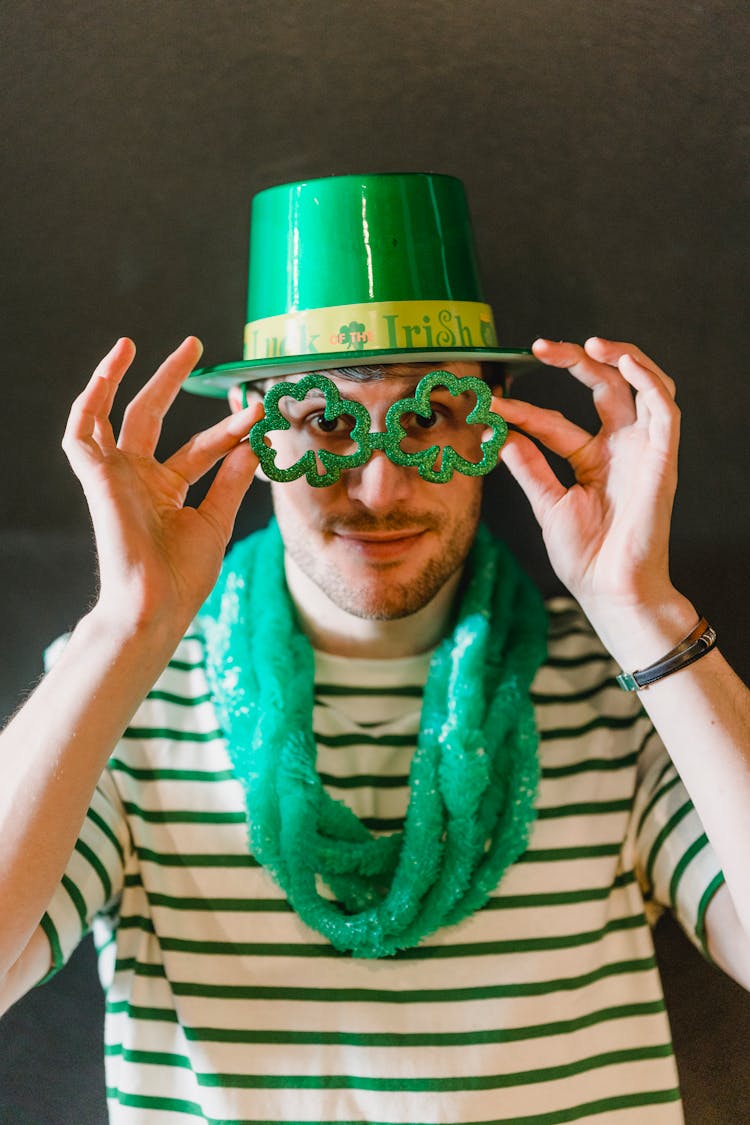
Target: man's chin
379,609
384,599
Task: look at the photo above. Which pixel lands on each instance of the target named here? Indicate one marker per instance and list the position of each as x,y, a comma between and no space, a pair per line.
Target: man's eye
426,423
341,424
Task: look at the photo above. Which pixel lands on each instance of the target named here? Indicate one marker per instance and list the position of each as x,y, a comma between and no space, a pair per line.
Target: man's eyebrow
443,387
293,405
315,396
440,387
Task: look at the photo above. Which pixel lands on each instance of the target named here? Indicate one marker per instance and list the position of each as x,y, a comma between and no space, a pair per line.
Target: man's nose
379,483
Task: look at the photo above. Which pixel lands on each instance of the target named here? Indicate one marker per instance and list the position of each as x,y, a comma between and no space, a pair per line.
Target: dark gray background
603,146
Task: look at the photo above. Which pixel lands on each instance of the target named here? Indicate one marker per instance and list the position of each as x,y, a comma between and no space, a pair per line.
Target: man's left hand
608,534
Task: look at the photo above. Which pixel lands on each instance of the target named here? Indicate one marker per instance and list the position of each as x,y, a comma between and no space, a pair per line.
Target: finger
532,471
202,451
611,351
655,404
88,430
612,397
551,427
142,421
113,367
222,501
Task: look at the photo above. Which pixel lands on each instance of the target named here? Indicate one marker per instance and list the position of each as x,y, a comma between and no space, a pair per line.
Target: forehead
390,381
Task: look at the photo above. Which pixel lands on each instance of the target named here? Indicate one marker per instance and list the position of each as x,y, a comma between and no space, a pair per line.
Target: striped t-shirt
545,1006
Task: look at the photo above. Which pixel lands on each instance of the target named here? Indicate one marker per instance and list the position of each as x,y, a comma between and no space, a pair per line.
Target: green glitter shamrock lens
310,430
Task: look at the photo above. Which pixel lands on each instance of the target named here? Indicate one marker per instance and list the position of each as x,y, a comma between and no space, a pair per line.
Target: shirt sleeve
676,865
93,879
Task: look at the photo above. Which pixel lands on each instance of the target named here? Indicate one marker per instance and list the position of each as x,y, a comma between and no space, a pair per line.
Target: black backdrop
603,146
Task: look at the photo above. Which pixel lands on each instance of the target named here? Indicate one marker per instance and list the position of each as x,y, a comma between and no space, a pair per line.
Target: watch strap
696,644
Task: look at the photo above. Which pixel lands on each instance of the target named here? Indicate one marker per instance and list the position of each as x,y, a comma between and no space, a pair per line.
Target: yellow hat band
375,326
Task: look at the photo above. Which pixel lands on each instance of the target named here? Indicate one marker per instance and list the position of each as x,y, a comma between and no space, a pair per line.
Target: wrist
133,612
153,638
641,633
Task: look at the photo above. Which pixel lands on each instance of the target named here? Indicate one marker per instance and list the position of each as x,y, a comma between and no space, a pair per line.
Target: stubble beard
377,594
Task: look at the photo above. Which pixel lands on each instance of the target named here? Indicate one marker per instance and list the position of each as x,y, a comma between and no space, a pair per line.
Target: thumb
531,470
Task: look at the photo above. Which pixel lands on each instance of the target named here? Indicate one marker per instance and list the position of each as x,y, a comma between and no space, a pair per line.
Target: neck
332,629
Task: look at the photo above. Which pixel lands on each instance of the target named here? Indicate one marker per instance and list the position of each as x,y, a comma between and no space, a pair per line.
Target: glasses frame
388,440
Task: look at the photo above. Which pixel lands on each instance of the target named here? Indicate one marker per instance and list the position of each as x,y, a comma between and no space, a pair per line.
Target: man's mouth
382,536
385,545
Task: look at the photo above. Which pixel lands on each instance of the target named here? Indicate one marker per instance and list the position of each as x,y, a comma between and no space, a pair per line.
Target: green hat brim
214,382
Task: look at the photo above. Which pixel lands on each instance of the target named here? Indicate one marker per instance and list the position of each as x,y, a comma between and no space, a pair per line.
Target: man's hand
607,538
607,535
158,559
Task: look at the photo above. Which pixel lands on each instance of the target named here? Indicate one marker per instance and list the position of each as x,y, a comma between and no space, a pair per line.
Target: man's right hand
158,559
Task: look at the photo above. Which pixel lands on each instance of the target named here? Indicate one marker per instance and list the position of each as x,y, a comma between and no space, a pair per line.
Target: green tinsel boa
473,778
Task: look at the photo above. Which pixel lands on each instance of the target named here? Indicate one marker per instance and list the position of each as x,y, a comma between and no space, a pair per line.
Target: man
273,954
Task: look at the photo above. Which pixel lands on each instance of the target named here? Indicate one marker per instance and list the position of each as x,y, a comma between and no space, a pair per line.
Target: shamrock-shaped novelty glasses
318,434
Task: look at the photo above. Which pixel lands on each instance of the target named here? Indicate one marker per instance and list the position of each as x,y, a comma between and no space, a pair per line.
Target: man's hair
492,373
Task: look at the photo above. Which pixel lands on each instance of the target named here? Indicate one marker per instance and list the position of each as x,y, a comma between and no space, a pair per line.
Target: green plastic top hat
351,270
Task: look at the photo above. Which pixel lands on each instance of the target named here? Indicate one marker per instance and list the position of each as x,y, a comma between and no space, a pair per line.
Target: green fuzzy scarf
473,778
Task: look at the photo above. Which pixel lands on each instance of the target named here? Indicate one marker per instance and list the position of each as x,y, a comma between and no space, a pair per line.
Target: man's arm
726,940
158,560
33,963
608,538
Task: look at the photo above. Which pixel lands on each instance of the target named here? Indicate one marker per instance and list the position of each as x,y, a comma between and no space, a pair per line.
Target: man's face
381,542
